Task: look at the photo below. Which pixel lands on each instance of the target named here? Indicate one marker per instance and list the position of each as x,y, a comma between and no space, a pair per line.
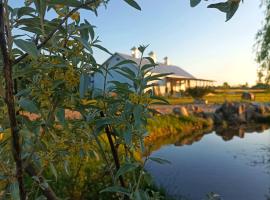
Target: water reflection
234,163
176,139
182,139
228,133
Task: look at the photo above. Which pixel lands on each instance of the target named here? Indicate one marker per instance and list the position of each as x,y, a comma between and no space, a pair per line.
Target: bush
198,92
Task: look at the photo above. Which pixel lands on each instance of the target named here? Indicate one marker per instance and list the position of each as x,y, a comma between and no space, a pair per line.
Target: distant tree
226,85
245,85
261,86
263,47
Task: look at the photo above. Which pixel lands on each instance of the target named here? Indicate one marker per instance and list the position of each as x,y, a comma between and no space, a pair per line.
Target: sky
196,39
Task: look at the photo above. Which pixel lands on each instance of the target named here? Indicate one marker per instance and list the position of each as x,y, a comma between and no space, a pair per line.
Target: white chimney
135,52
153,56
167,61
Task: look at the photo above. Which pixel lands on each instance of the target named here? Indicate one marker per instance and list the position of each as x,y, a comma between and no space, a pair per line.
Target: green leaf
84,80
72,3
23,92
14,191
28,47
194,3
28,105
159,160
141,195
60,114
102,48
25,11
127,167
128,71
116,189
84,43
91,29
66,166
134,4
124,62
32,29
229,7
233,7
128,136
138,112
53,170
223,7
160,99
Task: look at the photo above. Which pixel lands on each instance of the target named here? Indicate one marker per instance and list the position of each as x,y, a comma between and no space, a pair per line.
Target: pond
232,163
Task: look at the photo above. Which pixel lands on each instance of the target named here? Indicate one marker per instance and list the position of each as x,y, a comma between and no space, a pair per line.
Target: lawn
221,96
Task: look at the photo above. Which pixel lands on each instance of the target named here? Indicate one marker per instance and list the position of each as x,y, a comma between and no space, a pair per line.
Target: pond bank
184,125
231,113
168,129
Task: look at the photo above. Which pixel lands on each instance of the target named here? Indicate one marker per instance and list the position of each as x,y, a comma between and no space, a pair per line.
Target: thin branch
113,150
9,100
47,191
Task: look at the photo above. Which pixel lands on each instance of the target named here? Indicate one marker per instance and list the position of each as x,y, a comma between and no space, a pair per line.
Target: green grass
221,97
169,129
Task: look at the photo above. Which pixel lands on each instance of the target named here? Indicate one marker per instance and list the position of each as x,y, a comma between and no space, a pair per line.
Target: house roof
161,67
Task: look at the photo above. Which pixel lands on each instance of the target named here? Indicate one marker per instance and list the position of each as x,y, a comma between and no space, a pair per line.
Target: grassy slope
168,129
221,96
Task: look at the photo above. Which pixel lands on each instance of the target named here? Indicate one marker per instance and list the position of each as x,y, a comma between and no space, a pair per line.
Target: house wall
165,86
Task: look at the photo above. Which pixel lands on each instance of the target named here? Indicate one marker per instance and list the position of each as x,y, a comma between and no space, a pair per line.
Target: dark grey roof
161,67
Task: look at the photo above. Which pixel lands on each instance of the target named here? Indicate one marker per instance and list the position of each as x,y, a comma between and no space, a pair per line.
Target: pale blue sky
197,39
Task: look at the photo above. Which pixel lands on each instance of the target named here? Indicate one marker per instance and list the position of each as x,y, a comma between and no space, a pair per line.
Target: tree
226,85
262,47
44,76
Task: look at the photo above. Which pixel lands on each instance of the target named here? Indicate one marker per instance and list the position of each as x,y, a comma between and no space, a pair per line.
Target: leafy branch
87,4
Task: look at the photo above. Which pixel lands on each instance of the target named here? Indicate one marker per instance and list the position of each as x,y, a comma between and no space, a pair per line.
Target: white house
179,79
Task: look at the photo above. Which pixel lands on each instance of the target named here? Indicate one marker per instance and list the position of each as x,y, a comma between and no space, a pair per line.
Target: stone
261,109
250,113
248,96
242,113
182,111
197,109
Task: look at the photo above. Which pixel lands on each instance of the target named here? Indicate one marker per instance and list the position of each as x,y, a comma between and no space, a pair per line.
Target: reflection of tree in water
260,157
240,131
180,139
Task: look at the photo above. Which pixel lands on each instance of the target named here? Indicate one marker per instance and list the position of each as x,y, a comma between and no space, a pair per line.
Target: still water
232,163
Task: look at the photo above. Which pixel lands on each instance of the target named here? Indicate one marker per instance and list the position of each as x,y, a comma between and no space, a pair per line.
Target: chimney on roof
167,61
153,56
135,52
